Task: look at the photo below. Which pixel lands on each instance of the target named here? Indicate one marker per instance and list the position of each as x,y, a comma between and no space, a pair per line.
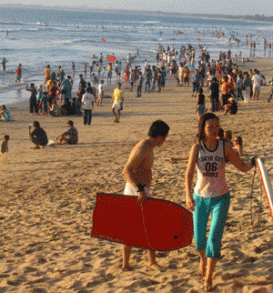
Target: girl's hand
190,204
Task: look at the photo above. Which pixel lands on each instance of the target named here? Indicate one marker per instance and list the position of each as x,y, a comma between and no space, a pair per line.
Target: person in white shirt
88,101
256,82
101,93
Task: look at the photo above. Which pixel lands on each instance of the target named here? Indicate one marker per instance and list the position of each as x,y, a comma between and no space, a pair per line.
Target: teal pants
218,207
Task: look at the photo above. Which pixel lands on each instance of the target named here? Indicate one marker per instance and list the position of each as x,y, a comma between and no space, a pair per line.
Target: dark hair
202,122
240,140
200,90
228,134
4,107
6,137
70,122
36,124
119,83
221,133
158,127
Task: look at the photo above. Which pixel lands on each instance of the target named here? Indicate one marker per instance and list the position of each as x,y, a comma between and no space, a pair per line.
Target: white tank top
211,180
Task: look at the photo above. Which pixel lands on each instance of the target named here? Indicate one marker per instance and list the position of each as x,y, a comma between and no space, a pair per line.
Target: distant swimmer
7,32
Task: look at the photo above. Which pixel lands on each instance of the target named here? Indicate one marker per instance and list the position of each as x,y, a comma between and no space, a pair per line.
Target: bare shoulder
195,148
143,146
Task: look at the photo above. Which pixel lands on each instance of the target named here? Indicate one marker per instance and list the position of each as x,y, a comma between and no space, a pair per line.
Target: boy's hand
142,197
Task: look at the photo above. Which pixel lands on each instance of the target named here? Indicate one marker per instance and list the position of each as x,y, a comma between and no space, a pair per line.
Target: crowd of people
226,84
211,194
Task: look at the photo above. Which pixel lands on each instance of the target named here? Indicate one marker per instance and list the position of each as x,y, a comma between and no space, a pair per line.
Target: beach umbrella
111,58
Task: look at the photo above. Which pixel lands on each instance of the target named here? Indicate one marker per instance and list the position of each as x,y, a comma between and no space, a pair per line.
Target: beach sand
48,196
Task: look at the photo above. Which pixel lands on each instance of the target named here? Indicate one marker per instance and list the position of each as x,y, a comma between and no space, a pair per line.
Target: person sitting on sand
70,136
238,145
138,174
54,109
4,114
211,194
231,107
38,135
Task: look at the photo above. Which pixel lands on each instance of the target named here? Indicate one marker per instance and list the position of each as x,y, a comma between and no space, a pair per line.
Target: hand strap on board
145,230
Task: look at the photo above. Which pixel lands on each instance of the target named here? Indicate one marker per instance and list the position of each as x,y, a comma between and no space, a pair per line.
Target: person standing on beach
47,74
60,74
211,193
18,73
163,78
117,102
88,101
214,95
33,105
246,87
138,174
73,67
139,84
109,72
225,91
66,90
186,75
4,61
148,78
196,82
101,93
256,81
81,91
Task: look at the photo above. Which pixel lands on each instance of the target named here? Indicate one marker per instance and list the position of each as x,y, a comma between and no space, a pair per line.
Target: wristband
253,161
140,187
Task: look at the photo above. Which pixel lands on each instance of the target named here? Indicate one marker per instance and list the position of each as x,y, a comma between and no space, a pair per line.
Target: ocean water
39,37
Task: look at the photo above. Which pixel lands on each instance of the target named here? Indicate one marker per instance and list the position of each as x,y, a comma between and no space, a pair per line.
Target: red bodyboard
158,224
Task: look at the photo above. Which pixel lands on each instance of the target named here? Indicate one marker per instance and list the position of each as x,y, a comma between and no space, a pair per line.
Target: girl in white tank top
211,171
211,192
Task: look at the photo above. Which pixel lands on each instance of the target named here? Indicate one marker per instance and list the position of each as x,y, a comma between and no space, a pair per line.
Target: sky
230,7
